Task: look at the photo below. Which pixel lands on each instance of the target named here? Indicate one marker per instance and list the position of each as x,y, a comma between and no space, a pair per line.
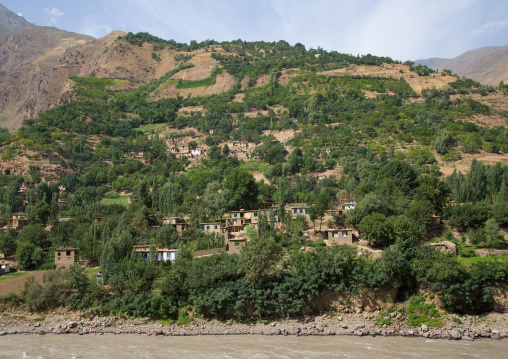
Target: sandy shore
490,325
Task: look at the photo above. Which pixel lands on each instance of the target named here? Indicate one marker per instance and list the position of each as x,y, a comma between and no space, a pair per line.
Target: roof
66,249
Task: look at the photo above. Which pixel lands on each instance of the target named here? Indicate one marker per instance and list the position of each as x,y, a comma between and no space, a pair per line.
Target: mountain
11,22
27,77
488,65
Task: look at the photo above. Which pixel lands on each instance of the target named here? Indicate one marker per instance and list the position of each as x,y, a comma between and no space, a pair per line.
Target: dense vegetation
385,144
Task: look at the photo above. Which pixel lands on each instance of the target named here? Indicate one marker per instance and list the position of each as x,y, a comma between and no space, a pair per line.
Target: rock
2,334
468,338
358,333
399,316
343,325
425,328
71,325
484,334
277,332
495,336
37,325
426,334
339,318
455,334
118,332
159,332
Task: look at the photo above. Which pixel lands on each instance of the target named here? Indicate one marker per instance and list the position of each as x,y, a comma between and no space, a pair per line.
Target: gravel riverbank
491,325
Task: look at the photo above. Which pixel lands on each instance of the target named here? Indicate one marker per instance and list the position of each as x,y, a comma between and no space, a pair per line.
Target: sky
400,29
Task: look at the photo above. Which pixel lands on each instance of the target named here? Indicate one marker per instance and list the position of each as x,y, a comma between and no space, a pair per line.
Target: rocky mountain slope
488,65
11,22
29,81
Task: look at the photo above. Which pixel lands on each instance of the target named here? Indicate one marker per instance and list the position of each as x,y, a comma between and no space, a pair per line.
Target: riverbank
465,327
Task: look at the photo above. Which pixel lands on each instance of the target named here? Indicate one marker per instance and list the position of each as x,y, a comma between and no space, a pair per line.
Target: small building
299,211
65,257
163,254
214,227
347,203
18,221
4,268
339,236
235,245
49,158
177,222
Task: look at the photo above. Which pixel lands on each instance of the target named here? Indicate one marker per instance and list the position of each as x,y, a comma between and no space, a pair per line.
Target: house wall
234,247
64,258
341,236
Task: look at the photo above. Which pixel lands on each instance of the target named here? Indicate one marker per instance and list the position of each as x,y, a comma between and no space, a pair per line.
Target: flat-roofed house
65,257
163,254
235,245
339,236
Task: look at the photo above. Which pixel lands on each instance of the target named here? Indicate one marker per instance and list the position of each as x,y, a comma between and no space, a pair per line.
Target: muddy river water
246,346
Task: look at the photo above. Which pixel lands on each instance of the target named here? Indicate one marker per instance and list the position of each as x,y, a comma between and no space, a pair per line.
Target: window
59,254
241,215
335,234
236,215
306,211
207,227
214,227
301,210
295,211
344,234
237,244
255,214
67,253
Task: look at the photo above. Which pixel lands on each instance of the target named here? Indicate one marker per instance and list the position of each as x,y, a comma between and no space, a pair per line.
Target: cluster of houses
241,149
28,187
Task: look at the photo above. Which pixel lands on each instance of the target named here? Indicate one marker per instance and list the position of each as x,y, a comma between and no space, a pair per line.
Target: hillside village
247,179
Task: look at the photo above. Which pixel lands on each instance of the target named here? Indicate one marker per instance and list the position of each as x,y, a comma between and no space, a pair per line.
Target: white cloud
97,30
53,13
20,14
490,27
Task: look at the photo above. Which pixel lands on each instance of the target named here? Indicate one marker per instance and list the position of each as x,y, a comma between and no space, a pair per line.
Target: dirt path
16,284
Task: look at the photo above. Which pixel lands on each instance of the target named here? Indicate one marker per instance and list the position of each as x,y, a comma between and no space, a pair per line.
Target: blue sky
401,29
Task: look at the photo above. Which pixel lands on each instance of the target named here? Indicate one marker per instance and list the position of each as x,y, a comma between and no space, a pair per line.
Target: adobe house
235,245
177,222
65,257
163,254
18,221
339,236
4,268
299,211
49,158
347,203
214,227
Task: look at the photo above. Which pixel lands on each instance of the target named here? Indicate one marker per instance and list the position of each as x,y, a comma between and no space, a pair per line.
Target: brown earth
393,70
15,285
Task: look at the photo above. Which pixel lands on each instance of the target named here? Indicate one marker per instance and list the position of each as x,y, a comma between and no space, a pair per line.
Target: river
246,346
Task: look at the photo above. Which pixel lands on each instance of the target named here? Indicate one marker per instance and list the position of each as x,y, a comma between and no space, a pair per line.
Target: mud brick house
65,257
163,254
299,211
18,221
213,227
339,236
177,222
235,245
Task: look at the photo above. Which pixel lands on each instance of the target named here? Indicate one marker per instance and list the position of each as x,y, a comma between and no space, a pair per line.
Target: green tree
259,258
35,234
243,188
8,244
376,229
28,256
